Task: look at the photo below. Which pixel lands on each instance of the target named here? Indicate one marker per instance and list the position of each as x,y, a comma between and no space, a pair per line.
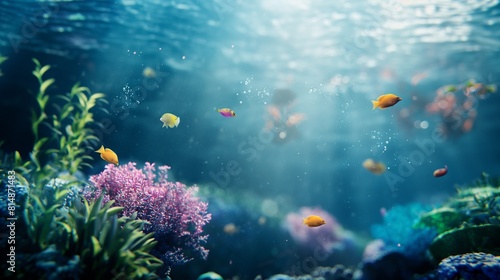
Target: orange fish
314,221
386,101
231,229
108,155
374,166
441,171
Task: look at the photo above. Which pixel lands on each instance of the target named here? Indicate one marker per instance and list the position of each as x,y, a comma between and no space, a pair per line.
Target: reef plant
173,211
2,59
62,126
471,219
58,234
92,238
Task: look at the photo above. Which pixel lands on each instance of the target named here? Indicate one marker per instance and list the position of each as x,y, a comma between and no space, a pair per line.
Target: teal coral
399,231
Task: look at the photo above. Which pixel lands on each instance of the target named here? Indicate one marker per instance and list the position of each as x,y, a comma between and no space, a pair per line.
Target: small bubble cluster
130,98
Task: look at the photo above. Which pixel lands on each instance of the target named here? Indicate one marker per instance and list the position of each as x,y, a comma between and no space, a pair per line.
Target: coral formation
399,232
173,211
337,272
472,266
471,219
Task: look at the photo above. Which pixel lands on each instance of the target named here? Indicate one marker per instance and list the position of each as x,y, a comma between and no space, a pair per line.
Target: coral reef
210,276
337,272
471,219
400,234
173,211
467,224
472,266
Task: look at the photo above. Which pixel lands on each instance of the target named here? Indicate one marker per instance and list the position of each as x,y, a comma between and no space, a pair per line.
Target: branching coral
471,266
173,211
399,233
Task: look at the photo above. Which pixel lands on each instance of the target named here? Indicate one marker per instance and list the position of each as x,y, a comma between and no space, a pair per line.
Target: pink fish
441,171
226,112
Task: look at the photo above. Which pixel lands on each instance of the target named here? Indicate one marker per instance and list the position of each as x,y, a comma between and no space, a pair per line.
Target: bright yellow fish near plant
108,155
170,120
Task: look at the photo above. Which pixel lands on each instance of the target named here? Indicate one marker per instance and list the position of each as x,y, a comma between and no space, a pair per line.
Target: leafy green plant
105,245
62,238
65,148
108,246
2,59
40,215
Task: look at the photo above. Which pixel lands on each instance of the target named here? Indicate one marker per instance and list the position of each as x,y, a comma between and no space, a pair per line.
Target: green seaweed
2,59
105,245
469,222
108,246
442,219
62,234
482,238
71,136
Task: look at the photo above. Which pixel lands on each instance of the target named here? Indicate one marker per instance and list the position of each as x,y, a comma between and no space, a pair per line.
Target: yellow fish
108,155
170,120
386,100
314,221
149,72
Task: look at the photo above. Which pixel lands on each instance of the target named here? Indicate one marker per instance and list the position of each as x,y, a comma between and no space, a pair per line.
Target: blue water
334,56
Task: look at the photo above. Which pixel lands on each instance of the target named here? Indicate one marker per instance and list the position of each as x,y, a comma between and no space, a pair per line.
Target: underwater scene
250,140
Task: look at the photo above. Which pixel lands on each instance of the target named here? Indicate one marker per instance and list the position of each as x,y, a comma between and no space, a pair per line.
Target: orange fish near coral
314,221
386,101
108,155
441,171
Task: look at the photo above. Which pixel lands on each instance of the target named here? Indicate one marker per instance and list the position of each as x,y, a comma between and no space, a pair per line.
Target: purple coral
327,237
175,214
470,266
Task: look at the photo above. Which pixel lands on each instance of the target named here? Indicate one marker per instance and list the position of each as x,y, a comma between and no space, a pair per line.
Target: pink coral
174,212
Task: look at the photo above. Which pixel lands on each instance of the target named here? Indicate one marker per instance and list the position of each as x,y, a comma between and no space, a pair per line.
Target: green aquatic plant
442,219
107,246
61,233
2,59
69,121
482,238
104,245
471,219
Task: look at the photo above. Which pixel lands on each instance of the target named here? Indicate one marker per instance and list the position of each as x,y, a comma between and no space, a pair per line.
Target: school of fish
170,120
